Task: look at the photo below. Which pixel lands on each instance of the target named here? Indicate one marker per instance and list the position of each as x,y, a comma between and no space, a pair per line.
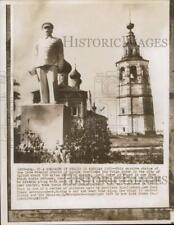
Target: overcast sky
95,20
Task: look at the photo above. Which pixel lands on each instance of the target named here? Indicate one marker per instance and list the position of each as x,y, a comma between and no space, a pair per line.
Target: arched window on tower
121,75
133,73
134,51
145,74
130,53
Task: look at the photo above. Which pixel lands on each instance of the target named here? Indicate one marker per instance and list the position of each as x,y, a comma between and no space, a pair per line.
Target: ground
137,149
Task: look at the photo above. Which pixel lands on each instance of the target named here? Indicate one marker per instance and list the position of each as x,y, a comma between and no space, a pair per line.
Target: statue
49,61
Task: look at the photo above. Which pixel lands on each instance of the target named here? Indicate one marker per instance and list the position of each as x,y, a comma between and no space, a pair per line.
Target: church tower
135,104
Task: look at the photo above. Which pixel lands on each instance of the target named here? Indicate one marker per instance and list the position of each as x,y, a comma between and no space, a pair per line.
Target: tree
16,93
90,144
17,118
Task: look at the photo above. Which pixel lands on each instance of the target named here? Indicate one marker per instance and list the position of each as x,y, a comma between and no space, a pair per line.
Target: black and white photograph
86,86
86,111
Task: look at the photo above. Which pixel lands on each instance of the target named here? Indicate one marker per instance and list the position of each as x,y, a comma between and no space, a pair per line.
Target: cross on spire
129,15
130,26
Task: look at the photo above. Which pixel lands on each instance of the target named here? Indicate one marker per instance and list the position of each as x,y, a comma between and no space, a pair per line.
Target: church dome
75,79
67,67
75,74
130,26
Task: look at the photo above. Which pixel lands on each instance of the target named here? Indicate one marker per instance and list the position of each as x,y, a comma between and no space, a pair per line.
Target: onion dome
63,74
75,74
67,67
75,77
130,26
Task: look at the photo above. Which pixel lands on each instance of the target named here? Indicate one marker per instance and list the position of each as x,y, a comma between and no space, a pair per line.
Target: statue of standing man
49,56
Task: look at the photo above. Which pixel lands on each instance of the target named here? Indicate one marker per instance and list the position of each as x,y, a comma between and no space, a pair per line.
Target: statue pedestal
50,121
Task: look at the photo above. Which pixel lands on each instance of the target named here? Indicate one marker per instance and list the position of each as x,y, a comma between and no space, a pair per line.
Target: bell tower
135,103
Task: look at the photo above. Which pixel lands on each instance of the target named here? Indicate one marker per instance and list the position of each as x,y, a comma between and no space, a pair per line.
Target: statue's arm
60,55
33,70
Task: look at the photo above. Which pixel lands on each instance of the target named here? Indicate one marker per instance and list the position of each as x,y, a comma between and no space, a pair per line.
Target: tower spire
130,26
131,48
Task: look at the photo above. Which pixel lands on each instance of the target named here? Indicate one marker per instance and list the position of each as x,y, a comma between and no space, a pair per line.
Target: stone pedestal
50,121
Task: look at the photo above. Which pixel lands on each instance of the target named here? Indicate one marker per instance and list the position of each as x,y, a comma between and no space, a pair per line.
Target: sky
94,20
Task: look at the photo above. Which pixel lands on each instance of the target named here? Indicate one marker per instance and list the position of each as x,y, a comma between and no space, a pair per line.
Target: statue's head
47,28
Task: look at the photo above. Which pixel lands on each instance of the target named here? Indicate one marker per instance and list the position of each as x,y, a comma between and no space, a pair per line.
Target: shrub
90,144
